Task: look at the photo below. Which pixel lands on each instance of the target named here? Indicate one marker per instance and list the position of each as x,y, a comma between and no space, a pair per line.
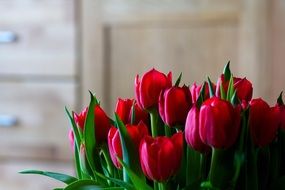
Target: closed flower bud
147,89
124,111
219,123
174,104
136,133
160,157
192,135
102,124
263,122
196,89
242,86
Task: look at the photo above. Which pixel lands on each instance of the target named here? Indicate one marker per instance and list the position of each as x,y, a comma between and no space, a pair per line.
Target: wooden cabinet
38,78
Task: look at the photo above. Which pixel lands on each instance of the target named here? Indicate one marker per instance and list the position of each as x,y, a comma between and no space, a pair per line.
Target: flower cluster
203,136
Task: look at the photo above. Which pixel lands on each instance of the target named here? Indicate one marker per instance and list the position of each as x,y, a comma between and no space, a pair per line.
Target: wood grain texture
41,128
45,31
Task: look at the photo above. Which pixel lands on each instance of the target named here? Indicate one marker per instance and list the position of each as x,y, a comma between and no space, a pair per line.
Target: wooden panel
196,51
277,38
41,127
12,180
45,33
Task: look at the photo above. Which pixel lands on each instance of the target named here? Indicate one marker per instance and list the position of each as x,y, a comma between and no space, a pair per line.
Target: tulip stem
162,186
167,131
154,121
221,170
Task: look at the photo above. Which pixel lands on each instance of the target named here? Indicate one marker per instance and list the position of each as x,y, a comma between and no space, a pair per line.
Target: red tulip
195,91
244,89
192,135
263,122
242,86
80,118
160,157
102,123
124,111
219,123
136,133
173,101
147,89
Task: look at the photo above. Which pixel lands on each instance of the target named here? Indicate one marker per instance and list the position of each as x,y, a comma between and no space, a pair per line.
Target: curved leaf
58,176
88,185
137,181
130,155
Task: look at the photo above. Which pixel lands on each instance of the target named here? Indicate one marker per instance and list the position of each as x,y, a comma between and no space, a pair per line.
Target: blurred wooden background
197,37
63,48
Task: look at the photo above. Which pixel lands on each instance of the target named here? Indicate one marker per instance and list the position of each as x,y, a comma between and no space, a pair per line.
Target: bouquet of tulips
172,137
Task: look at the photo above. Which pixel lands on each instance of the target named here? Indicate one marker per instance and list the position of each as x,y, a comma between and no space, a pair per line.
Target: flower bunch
172,136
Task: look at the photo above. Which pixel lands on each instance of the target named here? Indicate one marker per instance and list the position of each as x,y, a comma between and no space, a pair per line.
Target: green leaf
77,162
280,99
178,80
227,71
234,99
230,89
89,185
211,88
117,181
76,132
77,141
58,176
133,116
222,91
137,181
200,99
130,155
89,134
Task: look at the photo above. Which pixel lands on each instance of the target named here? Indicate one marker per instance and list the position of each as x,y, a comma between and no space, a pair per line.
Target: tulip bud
102,123
263,122
160,157
192,135
124,111
242,86
147,89
219,123
172,101
136,133
196,90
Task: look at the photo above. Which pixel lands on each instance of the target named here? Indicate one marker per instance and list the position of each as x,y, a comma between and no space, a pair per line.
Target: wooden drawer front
10,179
45,37
41,125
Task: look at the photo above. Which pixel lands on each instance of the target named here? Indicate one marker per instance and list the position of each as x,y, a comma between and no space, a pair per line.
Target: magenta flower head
160,157
174,104
196,89
192,135
263,122
148,88
136,133
102,123
242,86
219,123
124,111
